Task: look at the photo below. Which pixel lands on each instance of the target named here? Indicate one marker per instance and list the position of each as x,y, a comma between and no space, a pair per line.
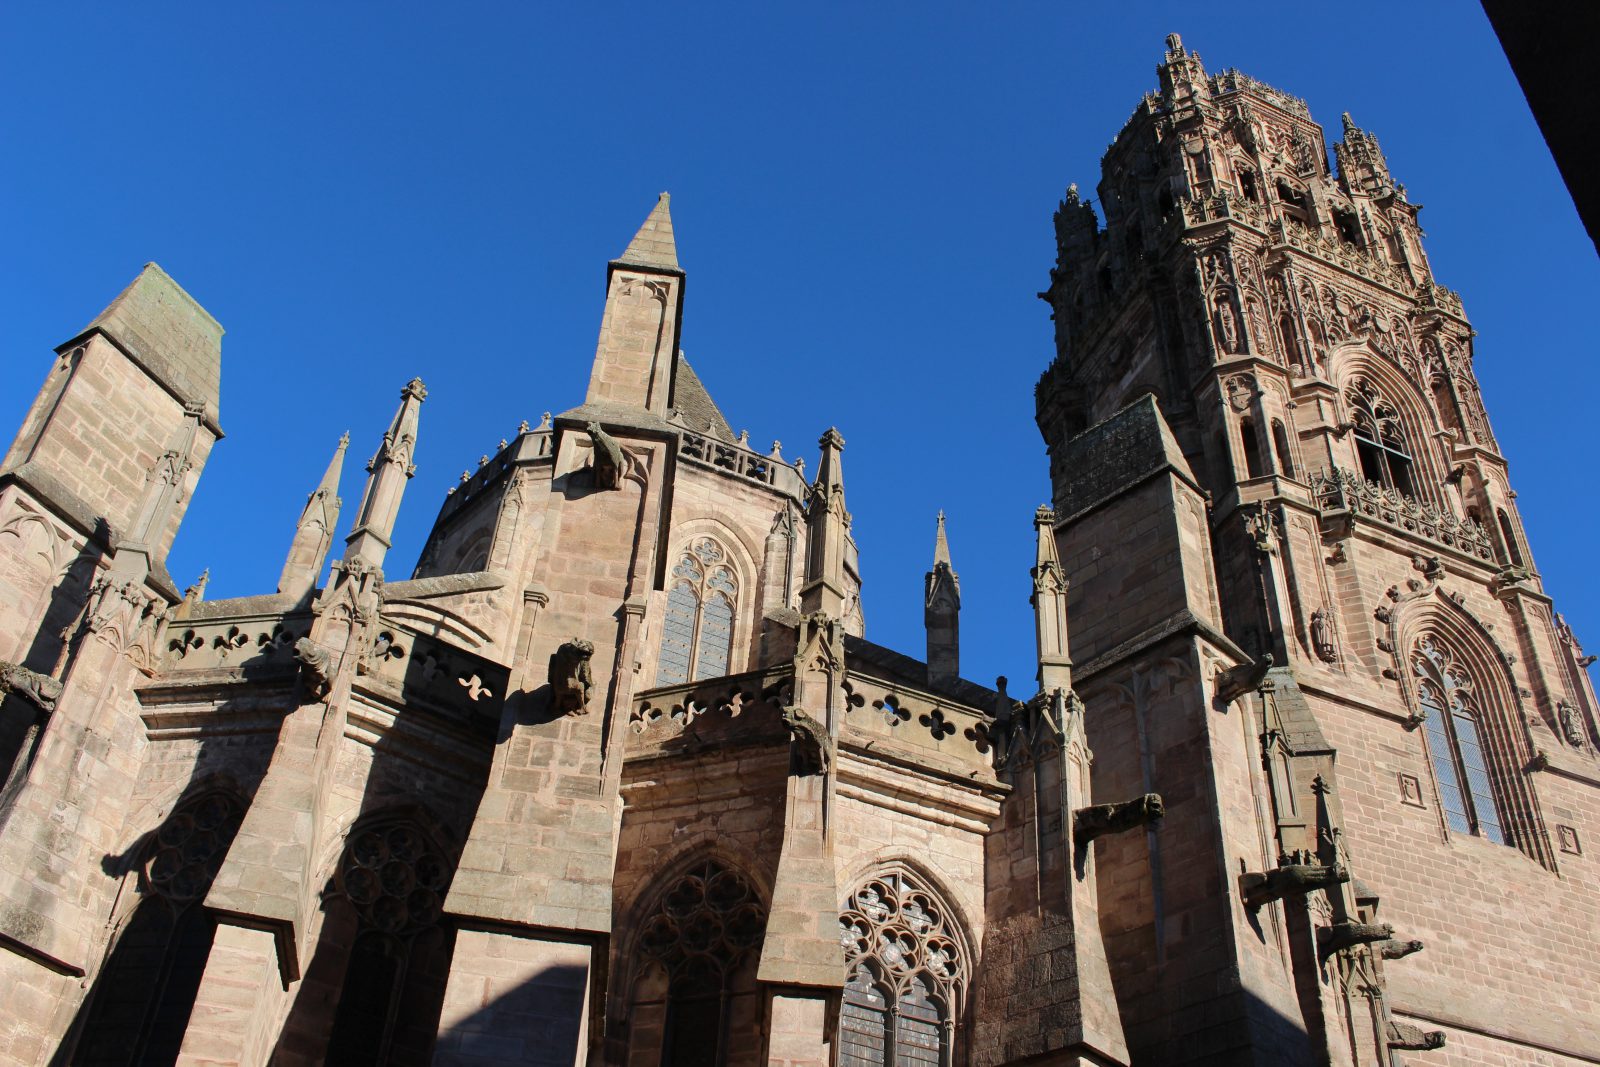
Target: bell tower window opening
1380,440
1247,185
906,976
697,632
1453,718
1509,536
1348,227
1280,445
1252,448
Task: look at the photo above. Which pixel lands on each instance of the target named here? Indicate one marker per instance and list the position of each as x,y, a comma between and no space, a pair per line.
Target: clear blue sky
862,192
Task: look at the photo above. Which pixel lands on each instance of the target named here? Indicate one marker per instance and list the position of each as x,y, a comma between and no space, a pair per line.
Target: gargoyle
40,690
1235,682
1291,880
609,464
812,750
316,667
1091,822
1331,939
1412,1038
571,681
1398,950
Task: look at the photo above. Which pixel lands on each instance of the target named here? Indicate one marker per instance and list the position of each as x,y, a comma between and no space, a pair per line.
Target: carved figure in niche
1322,636
609,464
571,680
1091,822
1225,320
1258,325
812,749
316,667
40,690
1571,725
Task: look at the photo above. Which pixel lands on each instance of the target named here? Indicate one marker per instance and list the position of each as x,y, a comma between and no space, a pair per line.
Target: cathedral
1309,773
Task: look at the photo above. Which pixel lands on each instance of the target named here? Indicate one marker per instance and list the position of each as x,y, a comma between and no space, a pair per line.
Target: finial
522,427
1174,44
344,439
414,388
1349,123
544,421
1044,516
777,450
483,461
744,438
941,545
502,444
466,476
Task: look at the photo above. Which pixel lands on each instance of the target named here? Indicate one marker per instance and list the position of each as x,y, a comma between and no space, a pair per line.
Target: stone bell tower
1304,608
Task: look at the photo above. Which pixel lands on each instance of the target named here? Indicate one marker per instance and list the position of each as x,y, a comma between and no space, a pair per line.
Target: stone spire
827,533
635,360
941,613
314,532
387,474
1050,607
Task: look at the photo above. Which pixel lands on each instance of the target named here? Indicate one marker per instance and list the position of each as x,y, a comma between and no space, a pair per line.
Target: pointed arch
1396,412
1460,688
710,575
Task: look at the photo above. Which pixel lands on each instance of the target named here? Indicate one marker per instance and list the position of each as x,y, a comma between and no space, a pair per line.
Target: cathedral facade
1308,773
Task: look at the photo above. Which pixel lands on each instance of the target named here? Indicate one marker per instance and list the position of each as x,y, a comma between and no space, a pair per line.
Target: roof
1118,453
654,245
694,405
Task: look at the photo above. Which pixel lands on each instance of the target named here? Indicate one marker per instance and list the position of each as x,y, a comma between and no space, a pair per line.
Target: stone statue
608,461
812,750
1571,725
1227,325
40,690
1322,636
316,667
571,681
1091,822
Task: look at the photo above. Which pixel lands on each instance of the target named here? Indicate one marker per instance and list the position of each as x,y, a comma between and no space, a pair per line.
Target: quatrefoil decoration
937,724
893,713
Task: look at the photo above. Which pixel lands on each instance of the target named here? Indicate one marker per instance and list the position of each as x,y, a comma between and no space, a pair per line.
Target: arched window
1453,721
1280,446
1252,448
1509,537
393,992
698,949
906,976
697,633
143,996
1380,439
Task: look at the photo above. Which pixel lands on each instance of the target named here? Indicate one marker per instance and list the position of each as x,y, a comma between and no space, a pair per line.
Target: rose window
395,878
190,846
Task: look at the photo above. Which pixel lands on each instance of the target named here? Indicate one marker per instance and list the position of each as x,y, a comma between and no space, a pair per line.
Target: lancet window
395,880
1453,720
695,997
142,1000
697,634
1380,439
906,976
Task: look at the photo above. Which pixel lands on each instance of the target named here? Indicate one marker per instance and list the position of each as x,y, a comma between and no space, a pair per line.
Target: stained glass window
1380,439
697,631
1452,716
906,976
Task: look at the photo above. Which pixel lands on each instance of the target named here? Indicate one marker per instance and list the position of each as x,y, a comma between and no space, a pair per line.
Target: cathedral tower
1340,666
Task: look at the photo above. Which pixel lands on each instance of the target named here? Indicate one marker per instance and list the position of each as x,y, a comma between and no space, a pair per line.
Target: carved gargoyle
608,462
40,690
1410,1038
1235,682
316,667
812,750
1339,936
1290,880
1091,822
1398,950
571,681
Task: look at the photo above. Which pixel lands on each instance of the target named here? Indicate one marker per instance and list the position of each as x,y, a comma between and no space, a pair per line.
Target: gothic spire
828,532
636,358
1050,606
314,532
941,613
653,245
387,475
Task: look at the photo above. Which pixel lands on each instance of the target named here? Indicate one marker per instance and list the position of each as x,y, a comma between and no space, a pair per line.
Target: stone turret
391,468
635,360
941,613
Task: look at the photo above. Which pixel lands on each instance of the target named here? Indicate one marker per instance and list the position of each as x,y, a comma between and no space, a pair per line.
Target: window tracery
697,632
1453,720
907,975
1380,435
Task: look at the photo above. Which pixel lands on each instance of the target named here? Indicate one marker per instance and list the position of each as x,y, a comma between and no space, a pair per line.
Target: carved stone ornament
316,667
1412,1038
1398,950
1571,725
609,465
1092,822
1290,880
812,749
1322,636
1340,936
1235,682
571,681
40,690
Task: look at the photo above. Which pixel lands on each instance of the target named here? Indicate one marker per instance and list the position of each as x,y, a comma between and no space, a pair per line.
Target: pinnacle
653,245
941,546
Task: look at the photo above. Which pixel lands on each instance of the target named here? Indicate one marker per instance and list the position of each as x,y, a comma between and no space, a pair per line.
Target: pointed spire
828,533
653,245
941,613
314,532
388,473
1050,606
